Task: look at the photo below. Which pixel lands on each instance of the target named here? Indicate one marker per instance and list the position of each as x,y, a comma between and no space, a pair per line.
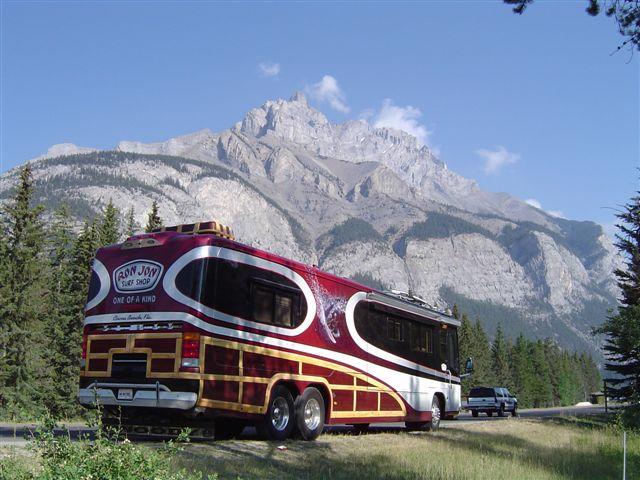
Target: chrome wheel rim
435,413
280,414
312,414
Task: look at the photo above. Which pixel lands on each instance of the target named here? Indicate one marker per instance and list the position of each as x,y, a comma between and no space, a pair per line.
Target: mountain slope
359,201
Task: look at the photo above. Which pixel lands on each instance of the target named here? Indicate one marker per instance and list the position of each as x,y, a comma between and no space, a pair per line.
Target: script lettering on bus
132,317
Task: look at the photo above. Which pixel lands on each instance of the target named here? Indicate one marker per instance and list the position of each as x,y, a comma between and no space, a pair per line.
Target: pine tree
4,266
153,220
473,342
500,360
130,229
482,357
465,348
540,387
622,345
22,290
522,371
590,378
62,327
571,380
84,249
109,230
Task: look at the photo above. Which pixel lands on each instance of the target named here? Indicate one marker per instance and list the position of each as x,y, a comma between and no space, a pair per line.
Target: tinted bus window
190,279
442,342
452,351
391,331
448,349
275,305
243,291
394,329
421,338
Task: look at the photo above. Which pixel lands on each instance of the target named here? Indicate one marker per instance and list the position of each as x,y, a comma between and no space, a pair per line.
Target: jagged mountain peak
292,120
294,124
298,96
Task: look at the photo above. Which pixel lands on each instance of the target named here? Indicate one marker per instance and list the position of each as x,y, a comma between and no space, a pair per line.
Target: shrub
629,418
104,458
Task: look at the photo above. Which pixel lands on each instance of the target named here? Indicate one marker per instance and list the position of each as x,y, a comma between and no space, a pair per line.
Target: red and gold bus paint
187,323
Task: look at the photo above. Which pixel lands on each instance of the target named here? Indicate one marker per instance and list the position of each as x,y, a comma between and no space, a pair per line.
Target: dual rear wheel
437,412
285,416
304,417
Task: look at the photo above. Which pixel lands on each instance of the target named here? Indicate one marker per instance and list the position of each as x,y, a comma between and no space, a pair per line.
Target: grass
553,448
563,448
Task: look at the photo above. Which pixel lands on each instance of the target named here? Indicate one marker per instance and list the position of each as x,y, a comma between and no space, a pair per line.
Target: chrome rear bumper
145,395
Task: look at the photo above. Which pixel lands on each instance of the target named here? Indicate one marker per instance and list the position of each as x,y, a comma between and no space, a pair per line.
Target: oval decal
137,276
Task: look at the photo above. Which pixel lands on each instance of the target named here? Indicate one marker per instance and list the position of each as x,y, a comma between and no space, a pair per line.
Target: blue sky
532,105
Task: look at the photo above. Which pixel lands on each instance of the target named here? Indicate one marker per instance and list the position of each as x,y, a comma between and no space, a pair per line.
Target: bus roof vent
212,228
410,297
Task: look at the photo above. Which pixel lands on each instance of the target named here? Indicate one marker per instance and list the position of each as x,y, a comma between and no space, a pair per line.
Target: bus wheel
309,412
277,423
436,414
228,428
474,413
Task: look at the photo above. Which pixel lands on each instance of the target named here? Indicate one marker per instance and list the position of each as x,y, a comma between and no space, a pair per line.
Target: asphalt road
17,434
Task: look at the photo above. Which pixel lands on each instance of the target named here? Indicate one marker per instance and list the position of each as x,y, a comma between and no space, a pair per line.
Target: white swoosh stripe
169,285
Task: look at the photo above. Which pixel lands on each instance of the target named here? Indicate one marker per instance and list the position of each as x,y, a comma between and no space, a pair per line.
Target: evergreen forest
44,276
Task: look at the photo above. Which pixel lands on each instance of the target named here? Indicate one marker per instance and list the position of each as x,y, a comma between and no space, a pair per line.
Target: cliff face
359,201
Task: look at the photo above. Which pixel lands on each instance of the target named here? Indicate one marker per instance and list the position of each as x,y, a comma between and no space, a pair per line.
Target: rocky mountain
362,202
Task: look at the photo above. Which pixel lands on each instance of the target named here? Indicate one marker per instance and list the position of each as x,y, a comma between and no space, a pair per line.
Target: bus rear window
190,279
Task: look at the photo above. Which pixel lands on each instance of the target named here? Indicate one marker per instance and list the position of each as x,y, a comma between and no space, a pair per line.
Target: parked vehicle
492,400
187,326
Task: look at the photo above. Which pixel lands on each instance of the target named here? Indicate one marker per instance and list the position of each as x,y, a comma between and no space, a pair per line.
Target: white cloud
496,159
328,90
269,69
536,204
556,213
402,118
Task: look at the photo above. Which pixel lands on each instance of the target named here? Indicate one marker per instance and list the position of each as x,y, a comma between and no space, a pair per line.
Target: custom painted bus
187,325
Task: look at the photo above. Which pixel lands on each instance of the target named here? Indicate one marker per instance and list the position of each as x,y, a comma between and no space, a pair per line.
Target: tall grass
105,457
514,449
560,448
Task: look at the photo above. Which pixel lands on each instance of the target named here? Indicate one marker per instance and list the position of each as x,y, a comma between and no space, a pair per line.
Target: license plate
125,394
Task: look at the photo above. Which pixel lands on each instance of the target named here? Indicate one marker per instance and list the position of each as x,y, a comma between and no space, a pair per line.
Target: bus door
448,354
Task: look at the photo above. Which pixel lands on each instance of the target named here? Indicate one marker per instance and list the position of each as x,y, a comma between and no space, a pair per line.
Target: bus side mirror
469,365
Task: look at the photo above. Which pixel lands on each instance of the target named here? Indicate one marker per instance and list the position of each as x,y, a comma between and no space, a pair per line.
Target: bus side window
394,329
283,310
273,306
262,302
442,334
421,338
452,351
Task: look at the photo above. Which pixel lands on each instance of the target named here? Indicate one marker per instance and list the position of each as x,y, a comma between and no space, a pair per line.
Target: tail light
190,352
